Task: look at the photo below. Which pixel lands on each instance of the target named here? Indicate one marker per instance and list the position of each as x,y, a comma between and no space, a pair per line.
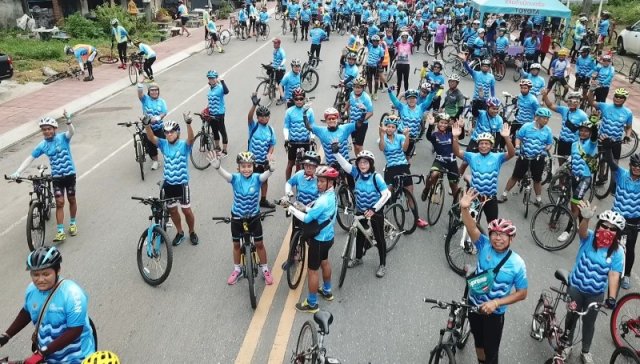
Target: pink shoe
233,278
422,224
268,279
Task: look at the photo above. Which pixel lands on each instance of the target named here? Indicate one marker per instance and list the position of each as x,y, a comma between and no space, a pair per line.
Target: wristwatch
43,349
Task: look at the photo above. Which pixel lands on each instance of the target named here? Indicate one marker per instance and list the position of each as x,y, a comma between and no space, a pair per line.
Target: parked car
629,39
6,67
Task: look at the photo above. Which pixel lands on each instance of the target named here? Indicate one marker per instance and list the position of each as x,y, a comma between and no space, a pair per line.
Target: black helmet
635,160
43,258
486,62
311,157
263,111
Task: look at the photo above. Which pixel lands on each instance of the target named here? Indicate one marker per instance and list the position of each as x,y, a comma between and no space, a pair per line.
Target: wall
10,10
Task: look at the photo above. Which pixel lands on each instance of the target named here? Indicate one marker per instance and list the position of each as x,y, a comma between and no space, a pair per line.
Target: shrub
105,13
80,27
224,11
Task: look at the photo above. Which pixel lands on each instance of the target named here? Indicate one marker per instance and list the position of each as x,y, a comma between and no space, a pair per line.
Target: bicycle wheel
631,146
459,249
309,80
548,223
263,93
284,27
469,125
547,172
624,355
295,35
202,145
410,207
360,56
392,229
526,201
54,78
346,206
441,354
155,256
625,322
539,323
133,74
267,30
499,69
516,74
249,272
347,253
109,59
633,72
618,64
279,15
307,346
392,70
449,54
462,323
140,156
342,30
435,202
225,36
430,49
603,180
35,226
296,259
559,187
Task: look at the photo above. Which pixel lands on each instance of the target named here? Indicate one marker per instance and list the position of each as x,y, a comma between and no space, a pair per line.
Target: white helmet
613,218
404,34
170,125
48,121
366,154
114,21
535,66
486,136
454,77
68,50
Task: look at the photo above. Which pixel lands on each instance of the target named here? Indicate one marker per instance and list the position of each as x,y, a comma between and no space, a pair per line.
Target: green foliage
80,27
224,11
31,49
105,13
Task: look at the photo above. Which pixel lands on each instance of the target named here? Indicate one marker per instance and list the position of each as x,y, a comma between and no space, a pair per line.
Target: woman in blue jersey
64,334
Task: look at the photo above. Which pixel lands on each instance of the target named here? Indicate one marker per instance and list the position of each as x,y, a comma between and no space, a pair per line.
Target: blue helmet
543,112
212,74
493,102
392,120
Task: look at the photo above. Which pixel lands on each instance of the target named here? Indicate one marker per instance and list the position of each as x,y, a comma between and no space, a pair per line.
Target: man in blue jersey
155,107
217,110
262,143
290,82
296,135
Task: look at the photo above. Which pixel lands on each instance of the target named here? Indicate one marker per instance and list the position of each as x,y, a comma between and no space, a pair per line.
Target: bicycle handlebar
597,306
152,200
262,215
444,305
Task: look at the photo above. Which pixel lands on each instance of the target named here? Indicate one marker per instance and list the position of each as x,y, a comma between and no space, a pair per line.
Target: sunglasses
298,99
169,131
618,97
607,227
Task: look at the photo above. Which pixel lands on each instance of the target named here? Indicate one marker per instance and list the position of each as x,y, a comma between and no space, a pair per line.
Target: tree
586,7
58,16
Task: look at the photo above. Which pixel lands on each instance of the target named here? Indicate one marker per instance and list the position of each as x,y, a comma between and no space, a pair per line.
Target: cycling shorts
523,164
318,251
255,228
579,186
293,148
358,135
564,148
391,172
452,167
64,184
182,192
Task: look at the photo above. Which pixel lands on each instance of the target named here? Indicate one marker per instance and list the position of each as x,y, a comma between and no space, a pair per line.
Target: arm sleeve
288,188
225,89
22,320
26,163
264,176
384,197
343,163
394,100
226,175
70,131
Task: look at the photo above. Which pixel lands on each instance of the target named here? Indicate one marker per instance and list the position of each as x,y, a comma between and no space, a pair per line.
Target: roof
523,7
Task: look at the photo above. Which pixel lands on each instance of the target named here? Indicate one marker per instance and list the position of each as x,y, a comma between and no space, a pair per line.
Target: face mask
604,238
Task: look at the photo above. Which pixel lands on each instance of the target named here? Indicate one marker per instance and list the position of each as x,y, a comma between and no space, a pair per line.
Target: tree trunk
58,16
586,7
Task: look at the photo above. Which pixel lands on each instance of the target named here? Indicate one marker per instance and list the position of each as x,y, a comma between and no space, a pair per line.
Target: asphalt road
194,316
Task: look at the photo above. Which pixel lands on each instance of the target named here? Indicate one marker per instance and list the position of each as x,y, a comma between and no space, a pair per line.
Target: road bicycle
294,30
249,259
139,140
545,323
210,43
309,79
459,250
525,184
154,252
312,63
624,325
267,86
456,332
310,348
435,195
263,31
294,266
135,68
340,101
110,58
634,70
629,145
521,63
392,233
41,201
72,71
401,194
624,355
224,35
346,201
278,13
284,25
559,90
560,183
498,67
203,143
455,65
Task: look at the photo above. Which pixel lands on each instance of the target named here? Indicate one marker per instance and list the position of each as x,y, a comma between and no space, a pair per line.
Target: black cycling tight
487,334
122,52
218,128
632,236
147,67
377,225
403,76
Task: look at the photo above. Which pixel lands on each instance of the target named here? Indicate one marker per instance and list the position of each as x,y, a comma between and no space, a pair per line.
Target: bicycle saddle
323,319
563,276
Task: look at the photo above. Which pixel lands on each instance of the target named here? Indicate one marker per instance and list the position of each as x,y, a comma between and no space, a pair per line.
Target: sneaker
326,295
178,239
626,283
587,358
504,198
60,236
375,96
154,165
537,203
233,278
88,78
280,102
267,204
563,237
306,307
422,224
354,262
194,238
268,279
73,230
381,271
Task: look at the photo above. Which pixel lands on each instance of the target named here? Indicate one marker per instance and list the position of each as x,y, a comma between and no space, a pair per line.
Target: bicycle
263,31
41,201
297,251
498,67
559,90
522,63
110,58
284,25
346,201
294,30
401,195
135,68
71,72
310,348
624,355
435,196
267,87
340,101
249,259
224,35
309,79
629,145
203,143
392,234
154,243
456,331
239,31
312,63
139,137
525,185
634,70
459,250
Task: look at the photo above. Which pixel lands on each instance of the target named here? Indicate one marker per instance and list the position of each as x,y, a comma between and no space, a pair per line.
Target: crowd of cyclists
390,33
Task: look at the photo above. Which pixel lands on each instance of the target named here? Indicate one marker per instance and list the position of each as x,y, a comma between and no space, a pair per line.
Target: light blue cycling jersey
367,189
153,107
326,19
67,309
393,150
58,150
605,75
317,35
433,77
357,8
527,107
538,83
585,66
590,274
472,34
279,58
481,80
372,30
375,55
418,23
350,74
478,45
410,118
290,82
262,139
530,44
513,274
614,120
146,51
502,43
603,28
627,198
176,161
575,117
559,67
305,15
306,187
264,17
458,12
402,21
366,14
293,10
324,209
355,113
384,15
246,195
580,149
487,124
242,16
351,42
327,137
294,122
485,169
579,32
211,27
215,99
120,34
534,141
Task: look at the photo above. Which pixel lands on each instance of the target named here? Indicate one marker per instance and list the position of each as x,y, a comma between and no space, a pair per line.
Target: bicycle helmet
375,38
503,30
212,74
298,92
327,172
612,218
153,86
391,120
481,31
526,82
311,157
455,77
493,102
245,157
543,112
606,57
48,121
170,125
331,111
425,86
410,93
486,62
360,81
43,258
442,116
476,22
621,92
68,50
114,21
635,160
352,55
404,34
486,136
102,357
583,18
535,66
263,111
563,52
502,226
370,21
366,155
296,63
585,49
587,124
436,63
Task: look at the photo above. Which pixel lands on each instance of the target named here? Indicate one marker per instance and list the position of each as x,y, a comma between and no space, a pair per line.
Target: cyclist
578,34
479,47
483,85
292,13
102,357
206,17
305,183
290,82
527,105
246,185
121,37
243,17
63,332
318,35
441,38
404,49
83,53
176,154
217,109
533,141
488,121
375,55
360,107
538,83
425,92
595,274
149,56
156,108
502,44
295,131
485,166
263,20
585,65
56,146
351,73
453,104
261,142
334,133
417,25
384,16
278,62
371,193
471,34
441,138
410,113
531,45
212,31
616,119
323,209
603,29
559,70
602,76
357,9
253,16
326,23
572,118
305,19
487,324
436,79
183,15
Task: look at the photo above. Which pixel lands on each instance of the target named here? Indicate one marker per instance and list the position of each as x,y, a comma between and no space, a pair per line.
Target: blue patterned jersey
58,151
350,74
590,274
293,10
176,161
627,198
487,124
410,118
306,187
605,75
585,66
614,120
484,81
384,15
67,309
324,209
393,150
538,82
305,15
154,107
290,82
576,118
485,170
513,274
367,189
355,113
559,67
442,145
317,35
375,55
215,99
246,195
603,27
534,141
262,139
373,30
341,135
527,107
579,149
279,59
502,43
530,45
293,120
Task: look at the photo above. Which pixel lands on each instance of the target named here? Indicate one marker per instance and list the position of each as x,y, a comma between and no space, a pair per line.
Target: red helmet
503,226
331,111
298,92
276,41
327,172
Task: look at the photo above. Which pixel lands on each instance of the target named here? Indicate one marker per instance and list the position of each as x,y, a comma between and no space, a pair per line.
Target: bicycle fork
153,245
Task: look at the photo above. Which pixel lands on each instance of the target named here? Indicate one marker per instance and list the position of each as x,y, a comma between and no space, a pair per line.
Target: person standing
121,37
156,108
215,100
318,35
149,58
183,15
261,142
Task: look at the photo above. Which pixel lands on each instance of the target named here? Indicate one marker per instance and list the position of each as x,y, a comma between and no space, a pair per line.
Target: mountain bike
309,79
154,252
203,143
309,348
392,233
624,355
401,195
340,102
634,71
294,30
629,145
498,67
312,63
135,68
224,35
435,195
459,250
263,31
139,137
267,87
297,250
110,58
249,259
346,201
525,184
72,71
239,30
456,332
284,25
41,201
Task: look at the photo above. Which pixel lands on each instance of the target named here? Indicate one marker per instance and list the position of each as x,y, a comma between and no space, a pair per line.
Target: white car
629,39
